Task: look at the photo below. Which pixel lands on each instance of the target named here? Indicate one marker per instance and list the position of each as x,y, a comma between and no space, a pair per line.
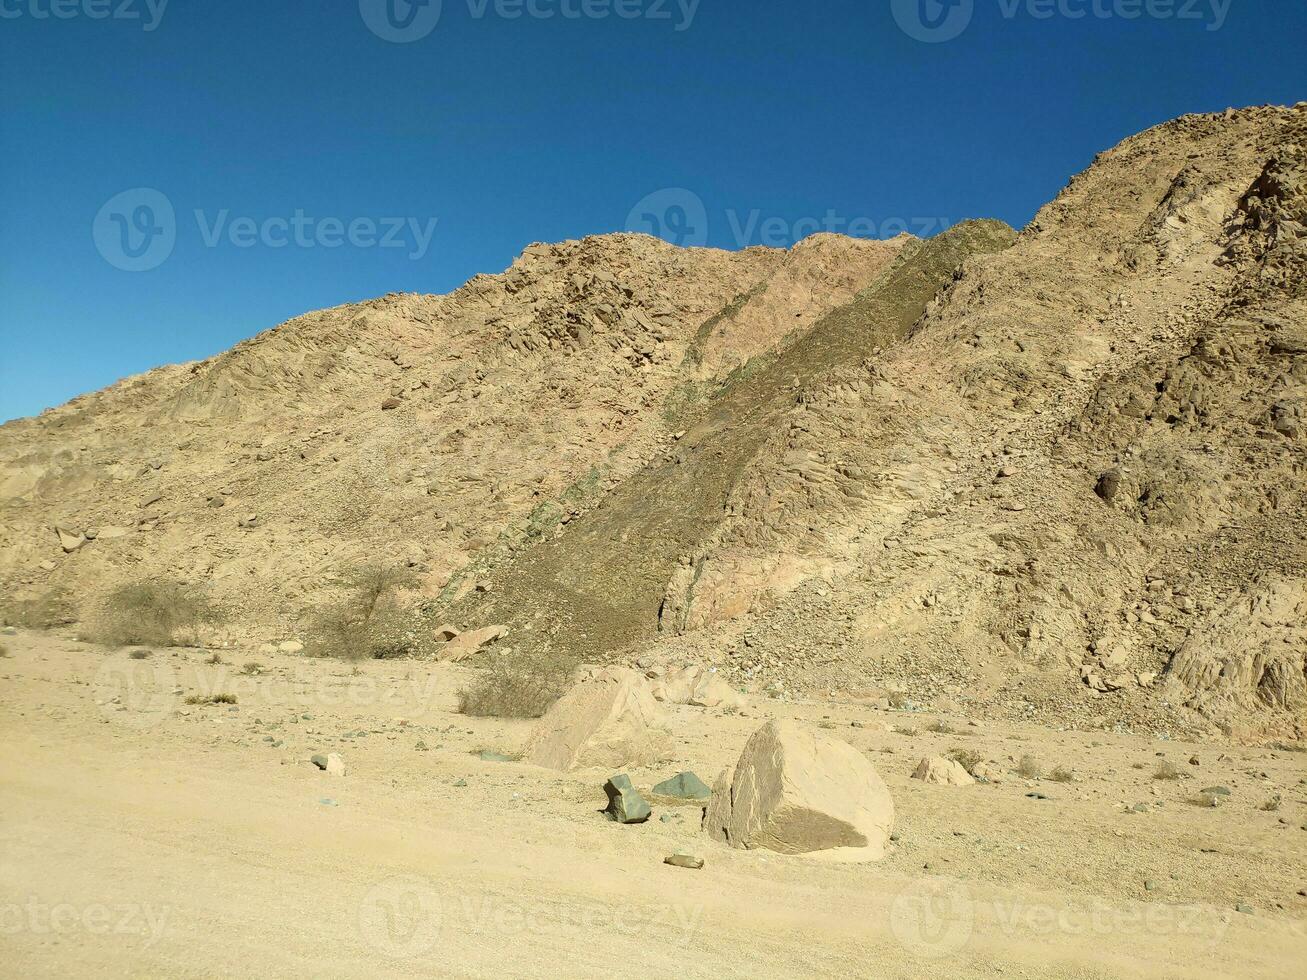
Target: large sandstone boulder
463,645
800,792
608,720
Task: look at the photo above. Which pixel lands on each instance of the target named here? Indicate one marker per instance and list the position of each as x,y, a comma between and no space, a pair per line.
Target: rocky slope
1056,475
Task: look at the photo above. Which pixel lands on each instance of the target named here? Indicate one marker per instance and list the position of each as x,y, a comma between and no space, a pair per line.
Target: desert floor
144,836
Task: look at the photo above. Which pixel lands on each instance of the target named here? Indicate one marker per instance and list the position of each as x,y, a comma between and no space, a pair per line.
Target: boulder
625,804
802,792
466,644
945,772
697,686
609,720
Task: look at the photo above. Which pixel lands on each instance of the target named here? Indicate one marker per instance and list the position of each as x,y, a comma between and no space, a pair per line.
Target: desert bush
43,612
213,658
211,699
141,654
367,623
942,727
968,759
1166,770
517,686
252,669
1029,767
156,612
1062,775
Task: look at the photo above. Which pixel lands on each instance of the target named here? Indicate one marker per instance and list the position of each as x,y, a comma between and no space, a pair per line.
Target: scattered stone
390,404
797,791
625,804
331,763
466,644
945,772
683,860
69,540
1215,791
485,755
1108,485
1037,796
684,786
1244,908
698,687
9,631
291,646
609,720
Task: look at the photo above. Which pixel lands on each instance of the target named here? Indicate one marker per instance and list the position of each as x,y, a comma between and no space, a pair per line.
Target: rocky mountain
1056,475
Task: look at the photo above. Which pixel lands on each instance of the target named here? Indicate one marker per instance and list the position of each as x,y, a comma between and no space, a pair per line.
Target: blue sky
337,150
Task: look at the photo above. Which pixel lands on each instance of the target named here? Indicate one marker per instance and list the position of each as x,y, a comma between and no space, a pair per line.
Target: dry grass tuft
1029,767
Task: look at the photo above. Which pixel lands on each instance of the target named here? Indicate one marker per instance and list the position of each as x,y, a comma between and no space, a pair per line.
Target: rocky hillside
1057,474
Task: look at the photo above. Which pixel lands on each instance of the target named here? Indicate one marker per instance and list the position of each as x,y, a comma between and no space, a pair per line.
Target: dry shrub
1062,775
368,623
968,759
1029,767
1166,770
156,612
517,686
43,612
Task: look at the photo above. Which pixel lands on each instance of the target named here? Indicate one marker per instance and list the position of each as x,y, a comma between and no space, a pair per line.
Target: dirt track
152,838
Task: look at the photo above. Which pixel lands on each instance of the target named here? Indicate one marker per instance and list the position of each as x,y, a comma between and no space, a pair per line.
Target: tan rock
698,686
610,720
802,792
70,540
466,644
945,772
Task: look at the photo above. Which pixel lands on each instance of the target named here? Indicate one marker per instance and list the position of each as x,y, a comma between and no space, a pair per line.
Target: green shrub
157,612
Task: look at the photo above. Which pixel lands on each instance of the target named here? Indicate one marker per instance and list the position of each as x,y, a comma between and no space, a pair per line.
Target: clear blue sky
508,130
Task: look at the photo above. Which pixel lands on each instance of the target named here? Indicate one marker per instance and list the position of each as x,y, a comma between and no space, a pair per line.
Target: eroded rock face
1252,654
796,791
609,720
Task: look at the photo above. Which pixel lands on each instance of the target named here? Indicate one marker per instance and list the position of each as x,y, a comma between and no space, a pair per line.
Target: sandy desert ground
144,836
